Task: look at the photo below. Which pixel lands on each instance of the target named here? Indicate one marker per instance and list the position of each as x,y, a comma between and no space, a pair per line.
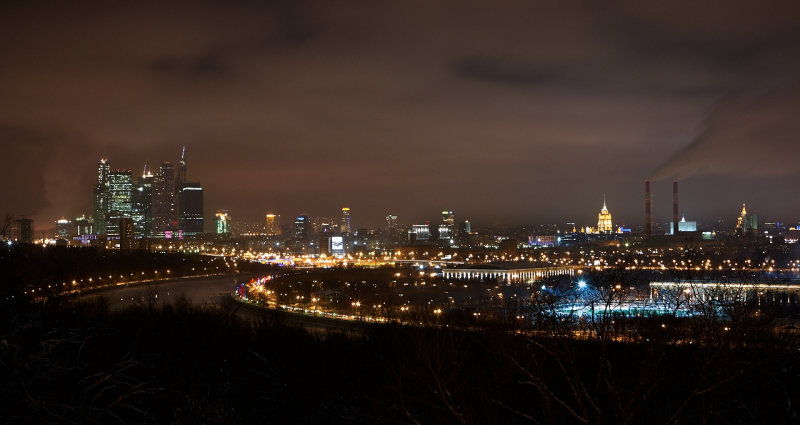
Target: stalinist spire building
604,220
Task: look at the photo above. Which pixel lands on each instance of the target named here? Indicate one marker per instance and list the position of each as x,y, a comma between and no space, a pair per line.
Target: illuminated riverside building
683,226
222,222
345,226
604,220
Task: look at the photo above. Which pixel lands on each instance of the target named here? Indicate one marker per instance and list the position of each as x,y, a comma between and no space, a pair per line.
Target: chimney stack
648,207
675,215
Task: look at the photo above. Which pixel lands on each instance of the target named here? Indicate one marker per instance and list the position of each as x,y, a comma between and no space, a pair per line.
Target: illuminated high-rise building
23,230
747,222
84,225
100,193
302,228
222,222
391,222
345,223
421,232
604,220
463,234
182,169
448,218
325,225
445,234
190,204
164,208
272,225
142,205
63,228
120,187
127,234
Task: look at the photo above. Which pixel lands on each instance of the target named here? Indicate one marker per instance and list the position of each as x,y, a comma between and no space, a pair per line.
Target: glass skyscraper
190,204
165,214
120,187
101,197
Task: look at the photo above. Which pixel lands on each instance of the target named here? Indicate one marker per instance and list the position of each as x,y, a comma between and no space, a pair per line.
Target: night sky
505,112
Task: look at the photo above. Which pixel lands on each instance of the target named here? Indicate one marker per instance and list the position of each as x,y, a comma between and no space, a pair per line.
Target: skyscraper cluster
155,205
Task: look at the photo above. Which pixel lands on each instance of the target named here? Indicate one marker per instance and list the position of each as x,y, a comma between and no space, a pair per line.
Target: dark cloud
495,71
524,111
207,65
753,132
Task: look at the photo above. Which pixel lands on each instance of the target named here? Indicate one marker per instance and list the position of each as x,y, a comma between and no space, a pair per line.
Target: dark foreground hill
79,363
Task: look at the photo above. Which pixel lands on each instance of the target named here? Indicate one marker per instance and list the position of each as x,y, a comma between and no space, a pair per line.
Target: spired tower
604,220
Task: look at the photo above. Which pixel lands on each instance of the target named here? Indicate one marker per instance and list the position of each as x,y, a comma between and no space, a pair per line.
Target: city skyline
661,218
494,112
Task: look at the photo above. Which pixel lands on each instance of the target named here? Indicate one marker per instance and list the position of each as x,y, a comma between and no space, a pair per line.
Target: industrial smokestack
648,208
675,214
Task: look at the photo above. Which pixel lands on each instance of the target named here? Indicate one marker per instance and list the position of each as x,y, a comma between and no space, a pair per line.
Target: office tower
182,169
101,197
222,222
85,225
63,228
272,225
421,232
648,208
23,230
683,226
164,211
345,224
446,230
325,225
127,234
302,228
746,222
190,204
445,234
119,188
142,205
462,236
391,222
180,180
604,220
448,218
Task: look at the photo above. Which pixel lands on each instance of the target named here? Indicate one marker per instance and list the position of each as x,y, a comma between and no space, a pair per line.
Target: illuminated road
201,292
214,292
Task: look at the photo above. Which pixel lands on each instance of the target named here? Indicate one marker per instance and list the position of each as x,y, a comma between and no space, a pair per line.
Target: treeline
52,270
79,363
